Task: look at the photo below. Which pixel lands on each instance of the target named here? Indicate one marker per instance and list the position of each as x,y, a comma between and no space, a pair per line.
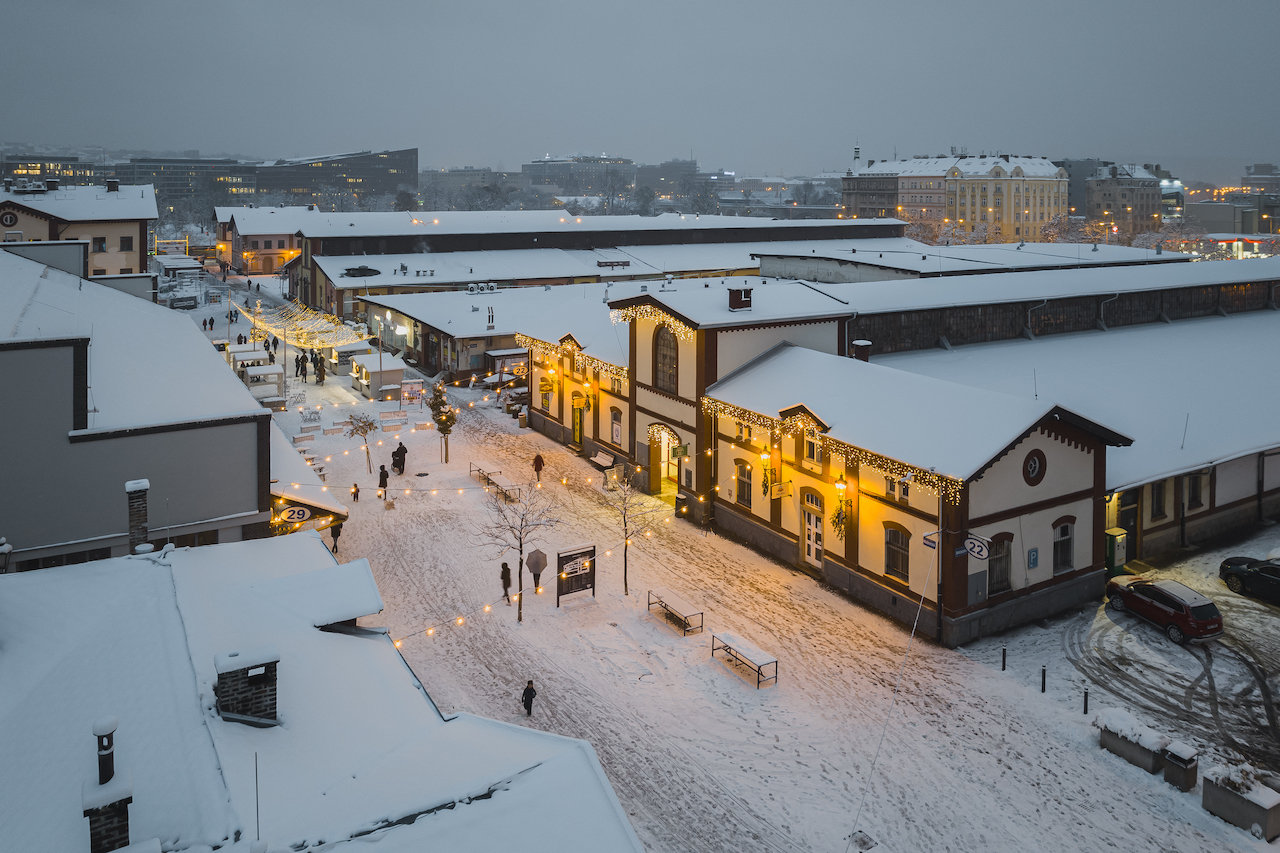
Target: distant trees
405,200
641,202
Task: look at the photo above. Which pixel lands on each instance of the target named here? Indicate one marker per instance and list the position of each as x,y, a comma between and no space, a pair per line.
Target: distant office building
69,171
177,178
1264,177
666,178
468,177
364,173
1125,198
1078,173
582,175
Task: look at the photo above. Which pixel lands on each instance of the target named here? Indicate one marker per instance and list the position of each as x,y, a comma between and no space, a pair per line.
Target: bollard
1004,658
1042,677
1086,700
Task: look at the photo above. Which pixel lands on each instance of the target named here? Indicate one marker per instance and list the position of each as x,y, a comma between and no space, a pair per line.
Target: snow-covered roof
876,297
1213,377
375,363
252,221
140,637
704,302
292,478
539,312
90,204
996,257
130,384
437,269
1032,167
177,262
428,223
852,396
917,166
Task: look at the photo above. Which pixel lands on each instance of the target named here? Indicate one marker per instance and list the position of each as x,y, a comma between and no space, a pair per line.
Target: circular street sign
976,548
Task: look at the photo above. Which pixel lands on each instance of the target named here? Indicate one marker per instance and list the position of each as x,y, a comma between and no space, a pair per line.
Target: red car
1181,612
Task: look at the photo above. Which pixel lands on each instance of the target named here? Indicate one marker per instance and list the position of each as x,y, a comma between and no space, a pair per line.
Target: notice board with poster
575,571
411,391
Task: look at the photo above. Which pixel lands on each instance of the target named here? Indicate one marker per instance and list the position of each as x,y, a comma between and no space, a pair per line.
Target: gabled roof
89,204
853,398
252,221
703,303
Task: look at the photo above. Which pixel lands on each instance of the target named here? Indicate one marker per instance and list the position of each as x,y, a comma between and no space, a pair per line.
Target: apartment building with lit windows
1014,195
363,173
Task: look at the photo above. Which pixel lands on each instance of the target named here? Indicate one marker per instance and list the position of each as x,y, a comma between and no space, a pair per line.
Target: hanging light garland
657,431
946,487
652,314
582,363
305,326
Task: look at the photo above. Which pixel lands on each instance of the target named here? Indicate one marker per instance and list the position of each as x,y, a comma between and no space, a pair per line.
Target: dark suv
1181,612
1247,576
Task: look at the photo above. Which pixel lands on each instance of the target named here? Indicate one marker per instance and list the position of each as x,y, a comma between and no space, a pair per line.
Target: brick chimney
113,185
861,350
739,299
246,686
106,803
137,492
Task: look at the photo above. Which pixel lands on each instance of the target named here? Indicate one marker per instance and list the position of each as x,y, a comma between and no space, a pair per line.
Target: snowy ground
972,759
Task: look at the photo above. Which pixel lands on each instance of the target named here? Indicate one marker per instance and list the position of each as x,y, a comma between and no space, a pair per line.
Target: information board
410,391
575,571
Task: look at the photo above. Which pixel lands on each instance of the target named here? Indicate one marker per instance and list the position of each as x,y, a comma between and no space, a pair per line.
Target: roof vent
739,299
861,350
113,185
246,686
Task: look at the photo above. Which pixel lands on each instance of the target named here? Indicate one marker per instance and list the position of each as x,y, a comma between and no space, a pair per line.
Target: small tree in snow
443,414
633,510
510,525
362,425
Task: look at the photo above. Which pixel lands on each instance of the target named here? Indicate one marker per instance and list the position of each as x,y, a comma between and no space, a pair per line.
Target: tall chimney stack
137,492
105,731
106,803
861,350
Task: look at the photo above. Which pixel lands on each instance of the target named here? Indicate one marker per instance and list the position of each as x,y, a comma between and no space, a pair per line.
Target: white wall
736,348
1236,480
1002,487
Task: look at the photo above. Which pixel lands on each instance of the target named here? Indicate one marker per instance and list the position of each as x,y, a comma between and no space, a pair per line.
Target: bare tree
362,425
512,524
633,510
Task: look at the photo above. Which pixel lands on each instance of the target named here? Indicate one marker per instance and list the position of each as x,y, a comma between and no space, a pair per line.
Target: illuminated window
897,552
665,361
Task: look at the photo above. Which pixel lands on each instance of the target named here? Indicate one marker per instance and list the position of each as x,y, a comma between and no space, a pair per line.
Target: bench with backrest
394,415
680,610
739,651
604,460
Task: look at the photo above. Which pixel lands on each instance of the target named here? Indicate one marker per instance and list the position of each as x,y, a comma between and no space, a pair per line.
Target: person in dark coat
275,342
266,345
537,466
506,583
211,324
271,357
336,530
304,370
297,365
204,324
398,457
383,477
527,698
355,492
320,374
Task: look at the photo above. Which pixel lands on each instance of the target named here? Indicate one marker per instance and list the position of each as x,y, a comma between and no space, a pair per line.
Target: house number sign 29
1033,467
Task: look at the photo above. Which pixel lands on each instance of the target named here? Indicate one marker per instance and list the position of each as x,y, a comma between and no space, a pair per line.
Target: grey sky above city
756,87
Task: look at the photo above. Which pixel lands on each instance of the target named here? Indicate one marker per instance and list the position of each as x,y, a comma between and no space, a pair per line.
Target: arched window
665,358
897,551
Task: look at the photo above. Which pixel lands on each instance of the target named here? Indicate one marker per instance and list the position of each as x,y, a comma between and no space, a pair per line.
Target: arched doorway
664,461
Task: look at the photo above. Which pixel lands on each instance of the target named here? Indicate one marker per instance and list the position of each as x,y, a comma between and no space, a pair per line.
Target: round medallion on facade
8,219
1033,467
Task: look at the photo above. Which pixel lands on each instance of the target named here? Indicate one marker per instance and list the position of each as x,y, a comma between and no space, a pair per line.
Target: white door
813,538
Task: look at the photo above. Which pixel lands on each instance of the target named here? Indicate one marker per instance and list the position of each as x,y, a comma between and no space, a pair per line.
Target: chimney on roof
861,350
106,803
246,686
311,207
739,299
51,184
1115,170
8,185
113,185
137,492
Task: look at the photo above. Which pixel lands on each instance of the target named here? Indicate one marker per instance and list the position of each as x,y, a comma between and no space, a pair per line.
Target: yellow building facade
1016,196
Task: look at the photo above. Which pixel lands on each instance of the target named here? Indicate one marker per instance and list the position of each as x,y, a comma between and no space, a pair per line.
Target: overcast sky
757,87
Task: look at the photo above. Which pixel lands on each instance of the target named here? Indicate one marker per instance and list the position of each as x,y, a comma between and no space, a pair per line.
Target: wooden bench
392,427
397,415
604,460
424,425
334,430
677,608
306,436
741,652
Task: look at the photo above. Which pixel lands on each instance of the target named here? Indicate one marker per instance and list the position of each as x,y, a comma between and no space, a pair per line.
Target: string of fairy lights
582,363
304,326
948,488
653,314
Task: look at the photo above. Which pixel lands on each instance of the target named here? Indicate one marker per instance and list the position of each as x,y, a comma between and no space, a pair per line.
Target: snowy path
973,758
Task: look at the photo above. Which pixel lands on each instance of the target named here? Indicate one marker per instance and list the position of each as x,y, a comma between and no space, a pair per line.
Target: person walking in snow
506,583
271,357
266,345
336,530
304,370
527,698
355,493
537,466
383,477
398,457
320,372
275,342
203,325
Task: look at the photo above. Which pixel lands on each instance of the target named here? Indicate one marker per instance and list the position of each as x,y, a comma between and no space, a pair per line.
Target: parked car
1247,576
1181,612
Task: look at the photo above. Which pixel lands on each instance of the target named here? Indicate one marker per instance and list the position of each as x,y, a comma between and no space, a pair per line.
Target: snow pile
1126,725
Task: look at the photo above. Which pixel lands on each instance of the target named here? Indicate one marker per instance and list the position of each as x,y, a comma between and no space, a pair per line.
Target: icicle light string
653,314
301,325
582,363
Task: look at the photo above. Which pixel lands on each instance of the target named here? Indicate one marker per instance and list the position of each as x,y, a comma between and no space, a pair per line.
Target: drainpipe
1102,312
848,330
1026,331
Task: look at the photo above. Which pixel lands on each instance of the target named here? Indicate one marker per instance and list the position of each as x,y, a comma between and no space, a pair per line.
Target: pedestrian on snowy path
355,493
398,457
320,373
383,477
506,583
304,370
271,357
336,530
266,345
204,325
275,342
211,323
537,466
527,698
297,365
